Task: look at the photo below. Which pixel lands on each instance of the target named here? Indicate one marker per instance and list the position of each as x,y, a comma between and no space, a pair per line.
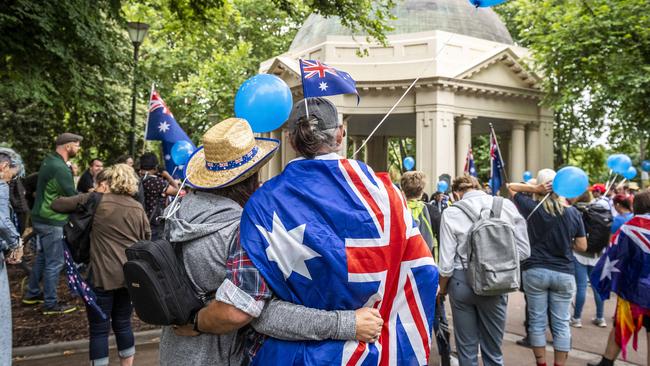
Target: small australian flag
319,80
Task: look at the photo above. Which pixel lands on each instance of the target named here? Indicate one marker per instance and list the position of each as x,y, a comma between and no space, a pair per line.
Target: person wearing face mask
54,181
11,245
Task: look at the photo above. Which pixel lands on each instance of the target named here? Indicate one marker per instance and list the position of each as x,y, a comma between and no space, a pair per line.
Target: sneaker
599,322
524,342
576,323
58,309
33,300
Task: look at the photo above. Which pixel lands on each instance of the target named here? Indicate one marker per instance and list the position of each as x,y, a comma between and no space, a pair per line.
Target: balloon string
539,204
175,206
402,97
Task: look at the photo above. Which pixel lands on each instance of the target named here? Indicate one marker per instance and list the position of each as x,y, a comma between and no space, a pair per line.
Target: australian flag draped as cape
162,126
625,266
330,234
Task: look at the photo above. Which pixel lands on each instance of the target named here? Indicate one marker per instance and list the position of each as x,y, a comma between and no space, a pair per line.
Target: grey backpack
493,259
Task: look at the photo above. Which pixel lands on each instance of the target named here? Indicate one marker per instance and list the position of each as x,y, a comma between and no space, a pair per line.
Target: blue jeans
5,315
549,290
582,275
116,304
48,263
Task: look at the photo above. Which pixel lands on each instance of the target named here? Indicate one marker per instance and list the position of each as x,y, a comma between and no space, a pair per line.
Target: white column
532,148
344,145
463,141
435,135
287,152
517,152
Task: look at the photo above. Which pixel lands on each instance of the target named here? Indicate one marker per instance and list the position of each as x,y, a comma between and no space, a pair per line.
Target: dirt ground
30,327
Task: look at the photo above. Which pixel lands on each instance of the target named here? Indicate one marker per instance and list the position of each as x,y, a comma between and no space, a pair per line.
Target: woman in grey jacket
9,241
223,174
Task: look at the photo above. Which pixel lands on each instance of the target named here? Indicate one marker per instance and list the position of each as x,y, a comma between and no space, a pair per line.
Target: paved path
588,342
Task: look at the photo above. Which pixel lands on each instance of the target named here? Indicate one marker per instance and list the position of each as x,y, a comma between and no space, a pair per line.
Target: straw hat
230,154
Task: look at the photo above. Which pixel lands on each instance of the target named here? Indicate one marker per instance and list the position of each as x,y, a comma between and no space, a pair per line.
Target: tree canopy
67,66
595,58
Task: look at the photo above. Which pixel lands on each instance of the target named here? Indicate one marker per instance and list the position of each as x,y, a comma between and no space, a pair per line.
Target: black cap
67,137
319,109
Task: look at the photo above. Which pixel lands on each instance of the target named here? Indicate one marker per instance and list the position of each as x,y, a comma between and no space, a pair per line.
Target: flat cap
66,137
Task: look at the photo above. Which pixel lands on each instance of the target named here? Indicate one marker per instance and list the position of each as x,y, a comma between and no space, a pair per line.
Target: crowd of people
221,196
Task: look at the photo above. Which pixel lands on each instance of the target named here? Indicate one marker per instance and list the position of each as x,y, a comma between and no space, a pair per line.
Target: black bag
77,231
598,224
158,285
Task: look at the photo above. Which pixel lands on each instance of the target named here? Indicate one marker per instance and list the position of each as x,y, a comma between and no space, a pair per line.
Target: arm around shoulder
69,204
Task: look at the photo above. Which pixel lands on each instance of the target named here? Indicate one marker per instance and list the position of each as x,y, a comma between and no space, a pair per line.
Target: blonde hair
554,204
465,182
121,179
412,184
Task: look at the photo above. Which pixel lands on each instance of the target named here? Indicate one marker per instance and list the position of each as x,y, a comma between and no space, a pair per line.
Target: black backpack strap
467,210
497,207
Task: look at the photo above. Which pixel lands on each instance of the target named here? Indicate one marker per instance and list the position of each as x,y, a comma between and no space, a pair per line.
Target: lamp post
137,32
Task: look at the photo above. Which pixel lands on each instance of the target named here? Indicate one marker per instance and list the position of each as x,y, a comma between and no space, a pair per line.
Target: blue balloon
619,163
570,182
264,101
442,186
630,173
181,152
486,3
527,176
408,163
645,165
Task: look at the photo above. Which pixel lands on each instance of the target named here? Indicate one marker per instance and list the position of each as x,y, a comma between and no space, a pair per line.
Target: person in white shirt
477,319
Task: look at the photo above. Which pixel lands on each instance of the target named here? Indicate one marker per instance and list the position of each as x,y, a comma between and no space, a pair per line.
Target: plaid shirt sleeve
241,271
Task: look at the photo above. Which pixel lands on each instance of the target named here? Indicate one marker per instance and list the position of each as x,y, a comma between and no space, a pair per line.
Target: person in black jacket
87,180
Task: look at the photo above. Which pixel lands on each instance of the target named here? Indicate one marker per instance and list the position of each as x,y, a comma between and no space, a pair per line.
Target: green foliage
63,66
67,65
595,60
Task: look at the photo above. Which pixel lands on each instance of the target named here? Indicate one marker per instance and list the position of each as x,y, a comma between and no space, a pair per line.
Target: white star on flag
609,268
168,157
323,86
287,249
163,126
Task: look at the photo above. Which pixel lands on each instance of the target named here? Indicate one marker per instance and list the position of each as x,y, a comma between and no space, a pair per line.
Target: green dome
454,16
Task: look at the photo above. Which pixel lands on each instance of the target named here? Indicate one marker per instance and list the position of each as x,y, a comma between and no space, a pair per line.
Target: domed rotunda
470,75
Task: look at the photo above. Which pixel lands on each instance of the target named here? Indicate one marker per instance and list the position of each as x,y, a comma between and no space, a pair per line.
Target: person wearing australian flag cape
625,270
329,233
496,164
162,126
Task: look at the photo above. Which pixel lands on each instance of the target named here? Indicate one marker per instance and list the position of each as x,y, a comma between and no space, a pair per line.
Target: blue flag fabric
625,267
319,80
78,286
162,126
497,165
328,233
470,168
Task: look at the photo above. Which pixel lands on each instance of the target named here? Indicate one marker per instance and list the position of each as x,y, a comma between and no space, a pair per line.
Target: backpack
492,256
160,290
77,230
598,225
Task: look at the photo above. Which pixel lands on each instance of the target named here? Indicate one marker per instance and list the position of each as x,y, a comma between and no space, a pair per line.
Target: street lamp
137,32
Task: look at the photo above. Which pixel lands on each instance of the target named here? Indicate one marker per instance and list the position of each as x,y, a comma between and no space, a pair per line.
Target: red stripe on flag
415,312
358,352
358,183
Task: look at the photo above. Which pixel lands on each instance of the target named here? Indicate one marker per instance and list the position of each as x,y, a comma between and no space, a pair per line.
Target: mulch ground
30,327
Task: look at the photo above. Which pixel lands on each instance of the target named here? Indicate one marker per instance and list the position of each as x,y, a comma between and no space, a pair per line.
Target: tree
66,65
595,59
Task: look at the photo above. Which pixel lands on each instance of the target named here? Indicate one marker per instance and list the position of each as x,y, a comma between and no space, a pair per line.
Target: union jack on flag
162,126
329,233
320,80
470,168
